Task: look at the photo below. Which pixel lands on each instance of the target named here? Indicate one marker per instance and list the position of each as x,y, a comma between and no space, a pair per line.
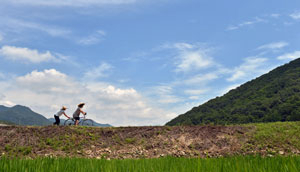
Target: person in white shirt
58,114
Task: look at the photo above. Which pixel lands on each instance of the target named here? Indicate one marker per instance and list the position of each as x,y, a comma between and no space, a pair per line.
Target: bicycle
83,122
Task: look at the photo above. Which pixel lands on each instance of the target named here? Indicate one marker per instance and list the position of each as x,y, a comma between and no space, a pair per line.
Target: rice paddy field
231,164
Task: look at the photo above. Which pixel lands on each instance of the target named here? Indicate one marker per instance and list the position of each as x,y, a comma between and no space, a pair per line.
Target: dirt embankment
123,142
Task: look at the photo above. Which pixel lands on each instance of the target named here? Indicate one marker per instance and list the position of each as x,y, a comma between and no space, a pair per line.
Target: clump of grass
130,140
7,147
117,138
169,128
14,151
141,141
24,150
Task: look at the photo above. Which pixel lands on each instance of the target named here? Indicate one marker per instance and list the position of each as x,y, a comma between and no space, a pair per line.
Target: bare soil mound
122,142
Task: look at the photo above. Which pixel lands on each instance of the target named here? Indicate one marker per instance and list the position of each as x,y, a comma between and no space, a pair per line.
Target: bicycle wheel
87,122
69,122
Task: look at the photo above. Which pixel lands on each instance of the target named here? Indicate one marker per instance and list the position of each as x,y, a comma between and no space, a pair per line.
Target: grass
275,137
168,164
281,133
130,140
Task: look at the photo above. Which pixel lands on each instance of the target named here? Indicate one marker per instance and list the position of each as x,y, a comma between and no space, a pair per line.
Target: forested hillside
274,96
22,115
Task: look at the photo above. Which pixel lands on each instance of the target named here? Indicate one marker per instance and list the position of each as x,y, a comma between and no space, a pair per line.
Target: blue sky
138,62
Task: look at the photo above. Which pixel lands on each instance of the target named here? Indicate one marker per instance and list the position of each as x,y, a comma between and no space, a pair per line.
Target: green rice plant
167,164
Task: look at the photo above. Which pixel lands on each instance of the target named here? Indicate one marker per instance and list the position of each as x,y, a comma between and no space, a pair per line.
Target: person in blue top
58,114
77,113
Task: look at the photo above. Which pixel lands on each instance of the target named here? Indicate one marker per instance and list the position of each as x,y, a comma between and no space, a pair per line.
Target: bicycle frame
82,121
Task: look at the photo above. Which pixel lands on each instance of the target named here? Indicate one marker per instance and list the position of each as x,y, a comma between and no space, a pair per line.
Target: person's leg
56,120
76,122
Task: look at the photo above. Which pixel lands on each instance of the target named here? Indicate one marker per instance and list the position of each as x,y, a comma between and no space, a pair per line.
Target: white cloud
190,57
295,15
71,3
246,23
232,27
189,62
275,15
196,92
252,66
26,54
169,99
17,25
2,96
48,81
193,97
193,60
7,103
98,72
273,46
289,56
165,94
186,57
183,46
138,56
93,38
201,78
2,76
46,91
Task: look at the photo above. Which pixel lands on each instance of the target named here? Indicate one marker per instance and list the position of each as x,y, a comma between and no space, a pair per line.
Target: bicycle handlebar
80,117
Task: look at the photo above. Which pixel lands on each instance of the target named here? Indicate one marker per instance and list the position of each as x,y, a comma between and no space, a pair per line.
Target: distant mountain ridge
22,115
62,121
274,96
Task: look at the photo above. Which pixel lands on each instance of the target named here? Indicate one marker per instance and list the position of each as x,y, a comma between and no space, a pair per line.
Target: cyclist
58,114
77,113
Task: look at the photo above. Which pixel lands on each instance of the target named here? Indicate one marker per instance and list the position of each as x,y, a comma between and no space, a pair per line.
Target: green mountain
6,122
274,96
22,115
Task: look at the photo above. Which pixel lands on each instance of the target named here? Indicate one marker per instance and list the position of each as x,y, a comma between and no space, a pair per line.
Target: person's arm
84,113
66,115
